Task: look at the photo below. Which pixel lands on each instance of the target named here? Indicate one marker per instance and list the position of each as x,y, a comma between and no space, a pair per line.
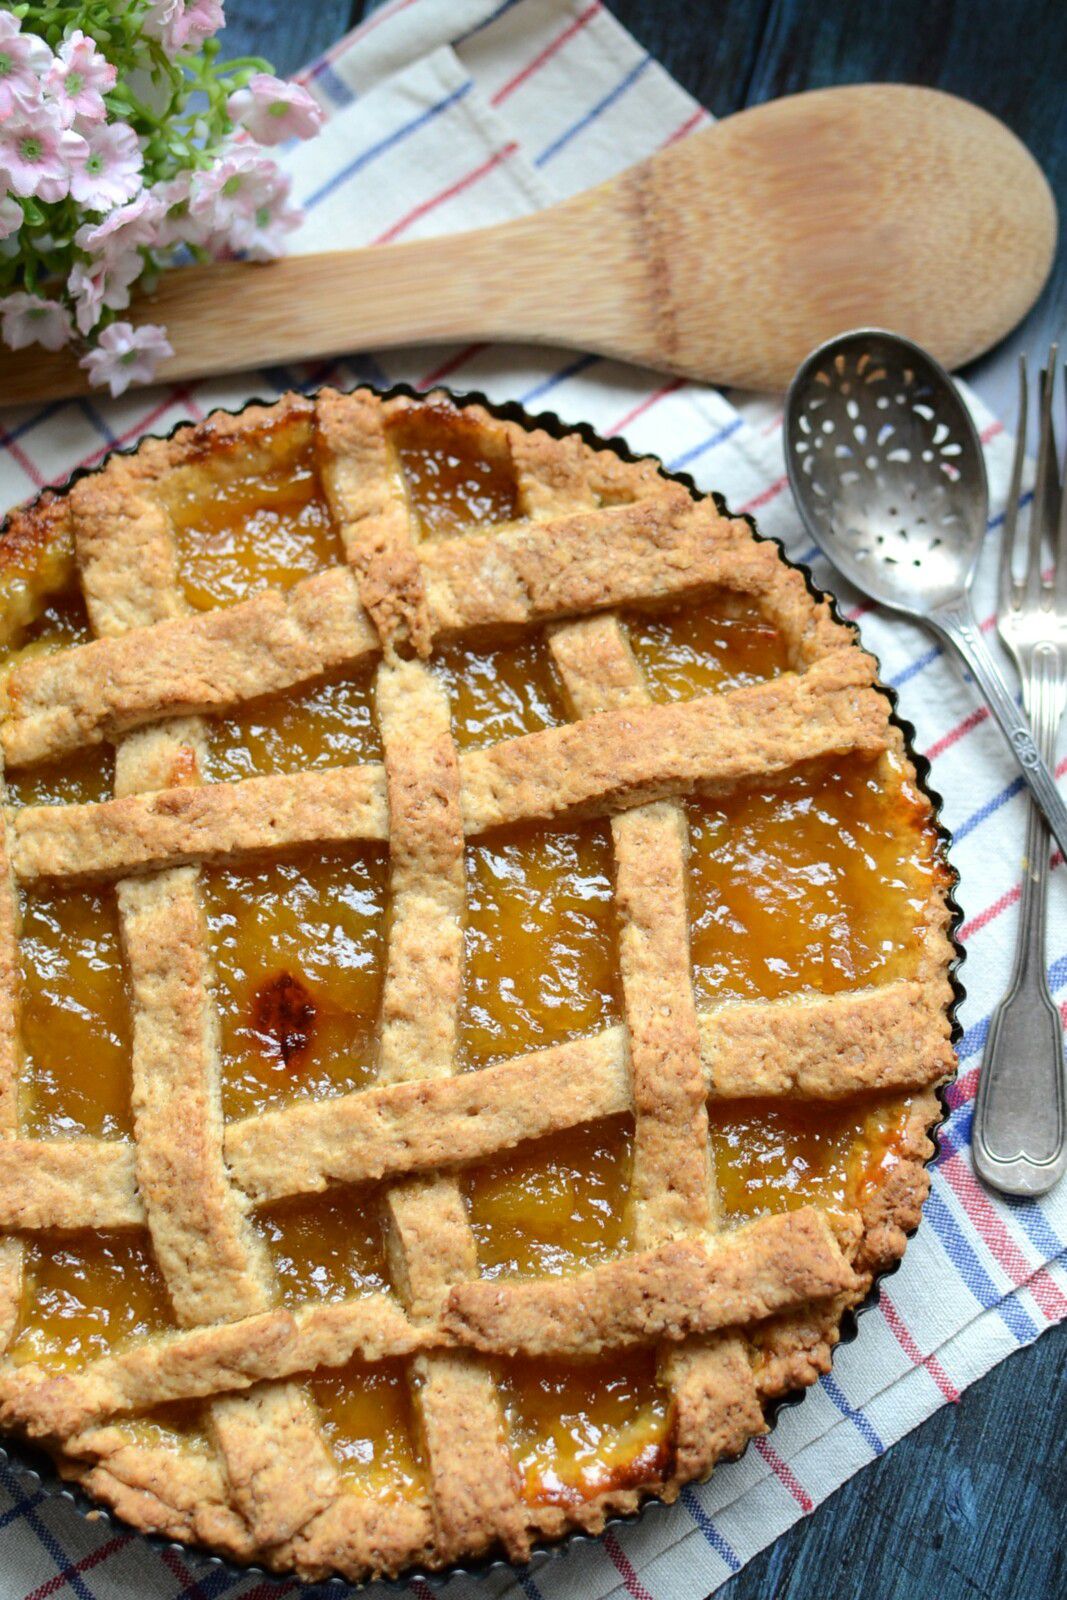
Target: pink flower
124,228
125,354
240,204
28,319
183,24
103,282
23,57
10,216
176,225
111,170
37,155
273,110
78,78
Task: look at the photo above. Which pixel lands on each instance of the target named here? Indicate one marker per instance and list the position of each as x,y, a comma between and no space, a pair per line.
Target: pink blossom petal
111,170
125,354
273,110
10,216
30,319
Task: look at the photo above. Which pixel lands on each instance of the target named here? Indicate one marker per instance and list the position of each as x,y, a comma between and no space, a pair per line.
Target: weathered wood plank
1007,57
288,35
971,1504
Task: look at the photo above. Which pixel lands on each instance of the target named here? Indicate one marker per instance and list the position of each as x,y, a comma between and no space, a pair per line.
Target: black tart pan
39,1468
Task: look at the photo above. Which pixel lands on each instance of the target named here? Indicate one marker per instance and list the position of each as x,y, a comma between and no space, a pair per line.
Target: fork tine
1041,526
1051,485
1009,595
1061,532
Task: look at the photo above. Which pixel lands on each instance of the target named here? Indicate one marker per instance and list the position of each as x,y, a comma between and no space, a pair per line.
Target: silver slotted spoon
888,473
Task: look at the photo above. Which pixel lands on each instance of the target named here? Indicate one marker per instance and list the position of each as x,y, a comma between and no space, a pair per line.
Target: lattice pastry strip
517,578
875,1040
474,1491
673,1194
11,1249
430,1244
595,766
716,1406
213,1264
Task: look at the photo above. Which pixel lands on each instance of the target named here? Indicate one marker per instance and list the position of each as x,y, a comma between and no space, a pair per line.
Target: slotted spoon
888,473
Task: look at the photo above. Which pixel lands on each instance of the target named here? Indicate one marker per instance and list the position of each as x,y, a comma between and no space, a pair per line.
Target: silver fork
1020,1118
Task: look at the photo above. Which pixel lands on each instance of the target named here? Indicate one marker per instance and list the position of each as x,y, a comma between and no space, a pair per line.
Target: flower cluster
125,144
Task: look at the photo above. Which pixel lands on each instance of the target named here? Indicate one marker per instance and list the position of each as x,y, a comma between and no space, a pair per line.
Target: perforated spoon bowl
888,472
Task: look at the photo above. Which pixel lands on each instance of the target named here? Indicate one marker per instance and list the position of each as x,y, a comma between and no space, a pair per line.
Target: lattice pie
475,973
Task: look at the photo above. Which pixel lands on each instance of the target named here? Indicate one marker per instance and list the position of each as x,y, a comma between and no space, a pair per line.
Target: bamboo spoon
725,257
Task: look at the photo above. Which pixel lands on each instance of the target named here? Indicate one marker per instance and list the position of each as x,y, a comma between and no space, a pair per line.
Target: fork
1020,1118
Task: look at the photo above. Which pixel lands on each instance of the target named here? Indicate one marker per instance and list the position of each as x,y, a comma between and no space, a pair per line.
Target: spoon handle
958,624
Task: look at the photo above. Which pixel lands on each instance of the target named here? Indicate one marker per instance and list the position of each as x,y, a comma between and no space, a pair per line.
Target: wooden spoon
725,257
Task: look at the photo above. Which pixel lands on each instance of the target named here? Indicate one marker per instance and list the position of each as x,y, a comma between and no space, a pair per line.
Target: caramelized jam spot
580,1431
283,1017
555,1205
771,1157
317,921
819,884
87,1295
74,1015
327,1247
367,1419
456,474
330,724
722,643
255,533
500,692
541,964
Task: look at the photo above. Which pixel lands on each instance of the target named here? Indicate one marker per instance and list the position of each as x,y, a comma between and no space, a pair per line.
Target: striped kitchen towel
446,114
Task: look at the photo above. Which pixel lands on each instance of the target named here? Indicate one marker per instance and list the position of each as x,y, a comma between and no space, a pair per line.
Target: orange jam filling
455,476
331,1247
817,884
770,1157
84,778
86,1296
327,1247
61,622
75,1015
555,1205
367,1419
297,950
581,1430
176,1426
541,963
500,692
261,532
329,725
720,643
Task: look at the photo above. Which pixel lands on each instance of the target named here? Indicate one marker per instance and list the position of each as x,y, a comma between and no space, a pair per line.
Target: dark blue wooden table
972,1505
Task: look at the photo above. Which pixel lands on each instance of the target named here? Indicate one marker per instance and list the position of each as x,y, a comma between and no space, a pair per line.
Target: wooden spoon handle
517,280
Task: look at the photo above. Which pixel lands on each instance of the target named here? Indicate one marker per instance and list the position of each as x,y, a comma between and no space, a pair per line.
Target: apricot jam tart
476,975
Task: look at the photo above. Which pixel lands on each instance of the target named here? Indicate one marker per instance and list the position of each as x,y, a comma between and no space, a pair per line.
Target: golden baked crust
736,1315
